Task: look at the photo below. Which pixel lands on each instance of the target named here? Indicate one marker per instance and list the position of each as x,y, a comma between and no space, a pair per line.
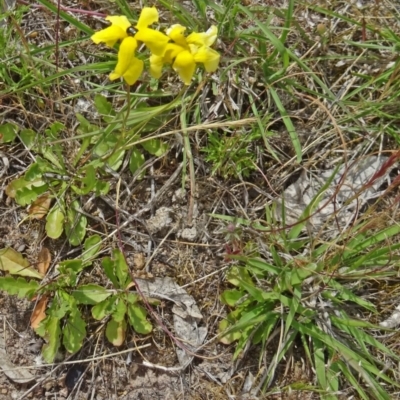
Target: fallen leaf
44,260
39,314
186,314
18,375
13,262
40,207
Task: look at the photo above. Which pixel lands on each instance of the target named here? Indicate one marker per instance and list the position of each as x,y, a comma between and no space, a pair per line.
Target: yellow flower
117,31
184,53
128,66
154,40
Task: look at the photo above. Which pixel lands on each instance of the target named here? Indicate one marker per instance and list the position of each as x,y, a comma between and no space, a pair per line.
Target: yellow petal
185,66
148,16
171,51
209,57
119,20
203,38
126,54
154,40
109,35
134,71
176,33
156,65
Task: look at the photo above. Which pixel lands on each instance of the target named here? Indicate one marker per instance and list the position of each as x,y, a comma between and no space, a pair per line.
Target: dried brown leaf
44,260
40,207
39,313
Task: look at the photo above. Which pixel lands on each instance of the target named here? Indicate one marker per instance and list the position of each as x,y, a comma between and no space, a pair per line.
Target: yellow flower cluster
170,48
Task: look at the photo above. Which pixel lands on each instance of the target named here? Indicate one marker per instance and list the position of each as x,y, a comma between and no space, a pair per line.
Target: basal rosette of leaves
183,53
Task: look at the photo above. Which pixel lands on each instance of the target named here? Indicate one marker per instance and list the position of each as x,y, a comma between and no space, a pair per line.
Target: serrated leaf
91,247
155,147
55,222
18,286
75,225
137,318
103,309
73,265
136,160
13,262
74,332
90,294
115,332
52,336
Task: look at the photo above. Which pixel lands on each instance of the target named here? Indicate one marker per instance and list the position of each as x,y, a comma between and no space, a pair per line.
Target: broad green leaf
231,297
14,263
74,331
91,248
116,331
155,147
8,132
75,225
119,311
137,318
102,188
109,268
90,294
103,309
52,335
55,222
136,160
104,107
18,286
227,337
28,137
121,269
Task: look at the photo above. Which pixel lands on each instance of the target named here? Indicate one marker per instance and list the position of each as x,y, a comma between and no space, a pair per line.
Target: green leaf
55,222
14,263
18,286
121,269
137,318
104,107
155,147
116,331
103,309
136,160
28,138
73,265
75,225
119,311
88,181
91,247
74,331
231,297
90,294
52,335
8,132
109,269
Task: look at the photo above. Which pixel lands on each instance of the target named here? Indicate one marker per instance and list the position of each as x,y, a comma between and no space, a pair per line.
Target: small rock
189,234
